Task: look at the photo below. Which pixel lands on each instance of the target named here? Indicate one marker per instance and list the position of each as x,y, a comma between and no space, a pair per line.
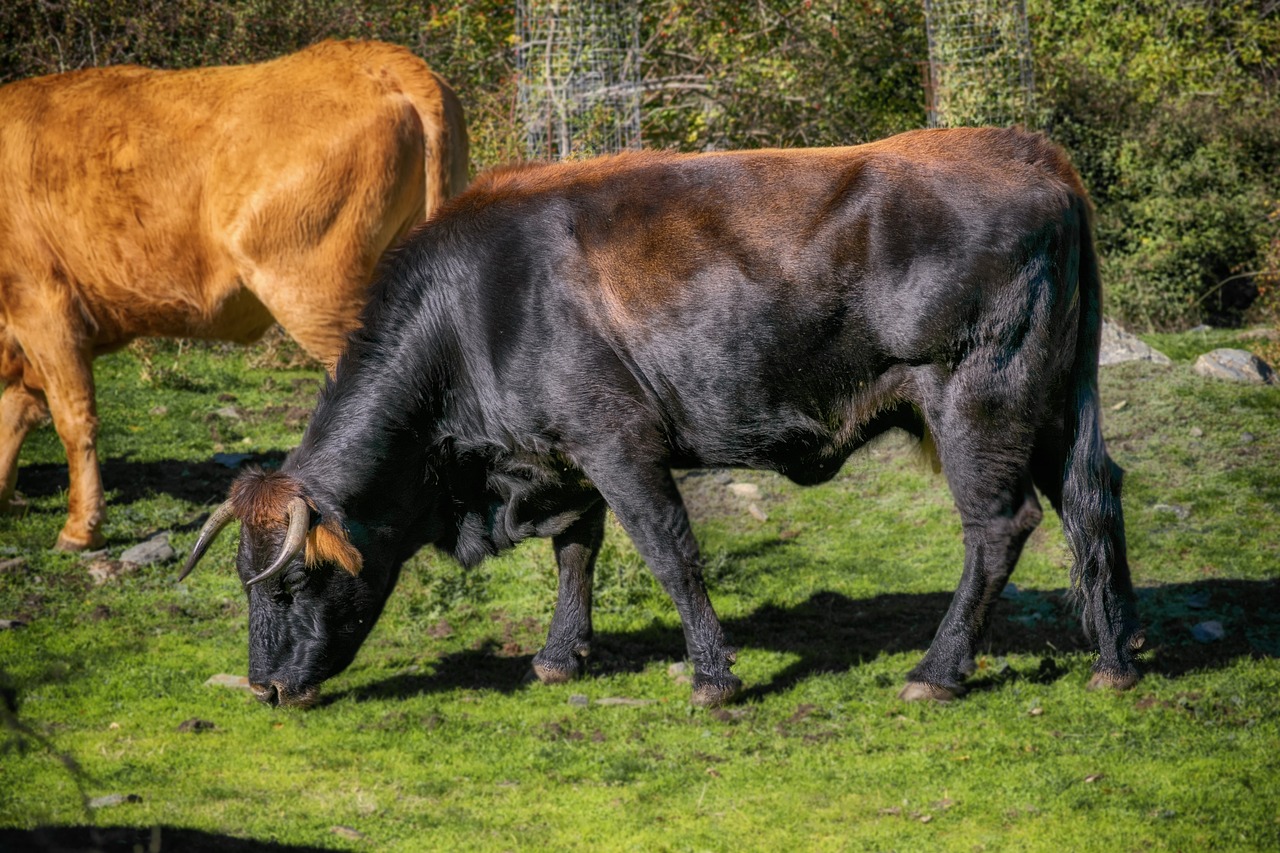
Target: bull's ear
328,543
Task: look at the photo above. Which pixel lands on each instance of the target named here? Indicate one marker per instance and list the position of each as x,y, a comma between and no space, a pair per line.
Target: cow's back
169,201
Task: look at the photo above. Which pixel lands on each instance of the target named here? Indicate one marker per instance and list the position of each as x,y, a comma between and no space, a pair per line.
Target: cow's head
313,596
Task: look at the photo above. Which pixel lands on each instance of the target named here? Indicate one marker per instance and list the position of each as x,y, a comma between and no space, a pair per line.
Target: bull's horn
220,518
294,539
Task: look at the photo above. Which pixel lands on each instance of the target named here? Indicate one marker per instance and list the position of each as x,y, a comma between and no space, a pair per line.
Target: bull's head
313,598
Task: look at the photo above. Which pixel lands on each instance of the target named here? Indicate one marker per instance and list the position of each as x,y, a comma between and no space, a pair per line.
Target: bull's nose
268,693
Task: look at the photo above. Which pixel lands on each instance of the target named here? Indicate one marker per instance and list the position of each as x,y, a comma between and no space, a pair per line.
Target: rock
1208,632
113,800
238,682
1181,512
231,413
155,550
1261,335
196,725
11,624
745,490
1198,600
1119,346
231,460
1247,438
104,571
1235,365
1196,432
577,700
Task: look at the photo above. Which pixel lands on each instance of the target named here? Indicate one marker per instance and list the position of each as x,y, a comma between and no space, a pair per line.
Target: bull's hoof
711,693
557,670
67,542
917,691
1110,679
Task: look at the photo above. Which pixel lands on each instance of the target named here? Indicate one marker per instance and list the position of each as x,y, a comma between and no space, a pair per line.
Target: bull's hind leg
569,639
985,449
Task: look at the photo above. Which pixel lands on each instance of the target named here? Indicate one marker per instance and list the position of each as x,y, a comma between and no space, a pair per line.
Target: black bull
558,338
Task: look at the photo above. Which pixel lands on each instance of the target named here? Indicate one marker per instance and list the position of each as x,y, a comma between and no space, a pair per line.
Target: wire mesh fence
579,76
979,70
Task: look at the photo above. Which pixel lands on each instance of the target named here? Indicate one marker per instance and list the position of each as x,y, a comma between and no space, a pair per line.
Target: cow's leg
21,409
569,640
985,444
64,364
644,497
997,520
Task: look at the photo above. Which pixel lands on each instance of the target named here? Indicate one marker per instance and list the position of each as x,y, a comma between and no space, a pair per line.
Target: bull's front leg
569,639
644,497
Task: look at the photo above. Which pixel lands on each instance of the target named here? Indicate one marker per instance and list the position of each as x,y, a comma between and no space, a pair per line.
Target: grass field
435,740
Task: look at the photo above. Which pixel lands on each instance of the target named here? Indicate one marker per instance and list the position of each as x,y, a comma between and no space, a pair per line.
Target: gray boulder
1235,365
155,550
1119,346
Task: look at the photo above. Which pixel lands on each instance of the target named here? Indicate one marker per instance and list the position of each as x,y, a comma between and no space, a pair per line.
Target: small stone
231,413
1010,592
1247,438
1176,509
1198,600
222,679
196,725
745,490
155,550
1196,432
622,700
231,460
105,571
347,833
577,700
1208,632
1235,365
113,800
757,513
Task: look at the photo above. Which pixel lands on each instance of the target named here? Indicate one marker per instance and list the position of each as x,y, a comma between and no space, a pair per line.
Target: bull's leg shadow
569,638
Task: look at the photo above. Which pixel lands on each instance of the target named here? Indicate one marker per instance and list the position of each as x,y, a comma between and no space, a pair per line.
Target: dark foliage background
1169,107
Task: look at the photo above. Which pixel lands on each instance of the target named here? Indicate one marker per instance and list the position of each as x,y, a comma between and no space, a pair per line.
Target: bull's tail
1092,518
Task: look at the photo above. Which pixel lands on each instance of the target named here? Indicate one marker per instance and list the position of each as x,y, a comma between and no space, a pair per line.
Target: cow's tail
445,127
1092,518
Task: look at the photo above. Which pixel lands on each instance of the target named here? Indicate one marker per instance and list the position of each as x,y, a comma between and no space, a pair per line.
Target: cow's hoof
1110,679
558,670
917,691
68,542
711,693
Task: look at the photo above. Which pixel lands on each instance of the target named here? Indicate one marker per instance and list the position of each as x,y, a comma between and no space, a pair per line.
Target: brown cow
206,203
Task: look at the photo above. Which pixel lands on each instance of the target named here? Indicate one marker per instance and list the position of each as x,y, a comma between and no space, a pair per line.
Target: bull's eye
295,580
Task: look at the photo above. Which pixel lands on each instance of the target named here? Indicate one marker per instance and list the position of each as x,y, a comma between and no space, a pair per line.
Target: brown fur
261,500
205,203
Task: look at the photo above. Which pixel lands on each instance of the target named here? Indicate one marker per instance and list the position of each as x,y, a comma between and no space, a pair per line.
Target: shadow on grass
129,481
830,632
88,839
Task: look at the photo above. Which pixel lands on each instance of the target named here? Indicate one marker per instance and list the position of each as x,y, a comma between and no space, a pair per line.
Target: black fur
558,339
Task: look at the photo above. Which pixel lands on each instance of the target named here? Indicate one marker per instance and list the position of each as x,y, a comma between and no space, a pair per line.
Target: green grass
434,739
